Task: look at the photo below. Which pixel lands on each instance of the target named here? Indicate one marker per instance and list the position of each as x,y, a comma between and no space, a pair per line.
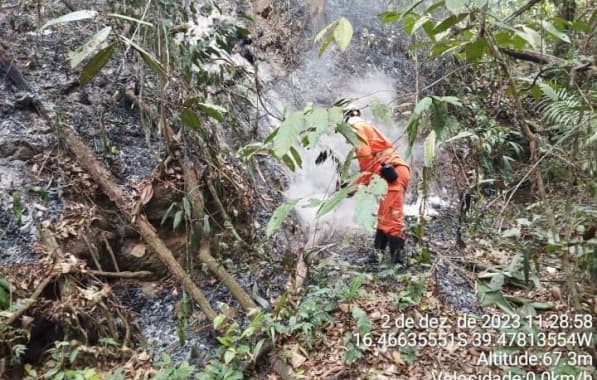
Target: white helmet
350,111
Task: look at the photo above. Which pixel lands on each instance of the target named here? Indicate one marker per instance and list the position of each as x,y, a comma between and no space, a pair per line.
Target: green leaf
476,50
548,91
348,133
448,23
326,43
365,209
296,157
318,121
530,36
422,106
288,133
455,6
460,135
551,29
496,282
328,29
279,216
289,162
4,299
412,7
190,119
488,298
177,219
95,64
149,59
377,186
409,22
73,16
381,111
362,320
343,33
88,47
453,100
429,150
219,321
229,355
331,203
389,17
213,111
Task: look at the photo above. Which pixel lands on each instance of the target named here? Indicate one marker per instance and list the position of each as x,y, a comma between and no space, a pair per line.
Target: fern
563,110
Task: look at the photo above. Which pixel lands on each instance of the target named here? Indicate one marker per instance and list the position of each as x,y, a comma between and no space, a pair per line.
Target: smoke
361,74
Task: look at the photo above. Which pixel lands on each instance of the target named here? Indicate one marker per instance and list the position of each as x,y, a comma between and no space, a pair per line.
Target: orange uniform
375,149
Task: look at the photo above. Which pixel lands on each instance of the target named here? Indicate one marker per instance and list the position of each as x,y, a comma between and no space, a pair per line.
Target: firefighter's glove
388,172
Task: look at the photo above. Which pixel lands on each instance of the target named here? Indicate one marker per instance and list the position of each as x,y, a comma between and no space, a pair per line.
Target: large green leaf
288,133
422,106
551,29
389,17
88,47
381,111
343,33
348,133
280,216
448,23
367,201
475,51
530,36
190,119
366,206
429,150
95,64
331,203
317,121
149,59
70,17
212,110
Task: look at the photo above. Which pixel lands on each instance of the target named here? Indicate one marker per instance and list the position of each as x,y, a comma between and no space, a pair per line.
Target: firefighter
377,155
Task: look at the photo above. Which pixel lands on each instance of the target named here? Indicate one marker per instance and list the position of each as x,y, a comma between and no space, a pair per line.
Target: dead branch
235,289
227,221
520,11
533,56
125,274
192,187
101,176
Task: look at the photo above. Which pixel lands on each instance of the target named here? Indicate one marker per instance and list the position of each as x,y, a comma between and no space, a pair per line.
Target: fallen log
104,179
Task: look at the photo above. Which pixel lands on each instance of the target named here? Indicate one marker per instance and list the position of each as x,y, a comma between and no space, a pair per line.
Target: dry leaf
397,358
296,359
146,194
138,250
